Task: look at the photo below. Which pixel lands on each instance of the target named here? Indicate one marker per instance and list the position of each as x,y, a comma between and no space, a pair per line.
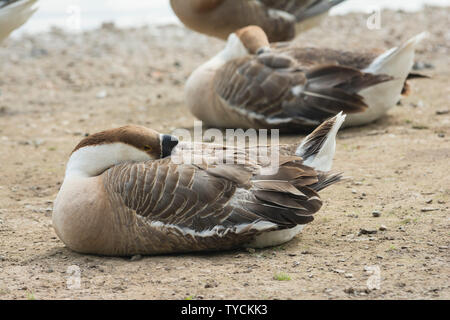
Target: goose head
254,39
100,151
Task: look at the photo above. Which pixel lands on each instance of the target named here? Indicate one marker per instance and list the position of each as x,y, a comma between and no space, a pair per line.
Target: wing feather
274,90
212,197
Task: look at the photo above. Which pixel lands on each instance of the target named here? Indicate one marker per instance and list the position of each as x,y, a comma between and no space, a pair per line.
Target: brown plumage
264,84
281,20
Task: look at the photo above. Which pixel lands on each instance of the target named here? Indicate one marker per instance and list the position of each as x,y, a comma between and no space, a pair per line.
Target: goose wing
274,90
219,197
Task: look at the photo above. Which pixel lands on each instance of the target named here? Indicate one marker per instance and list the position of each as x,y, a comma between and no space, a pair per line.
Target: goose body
281,20
120,196
13,14
255,84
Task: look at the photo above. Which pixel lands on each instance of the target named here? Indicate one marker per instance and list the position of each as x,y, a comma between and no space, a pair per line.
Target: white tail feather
396,63
15,15
321,159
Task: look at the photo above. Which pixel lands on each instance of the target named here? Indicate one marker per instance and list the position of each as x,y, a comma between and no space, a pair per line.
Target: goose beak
263,50
168,142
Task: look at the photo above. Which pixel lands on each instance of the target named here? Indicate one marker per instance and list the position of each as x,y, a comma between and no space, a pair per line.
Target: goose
254,84
13,14
125,192
281,20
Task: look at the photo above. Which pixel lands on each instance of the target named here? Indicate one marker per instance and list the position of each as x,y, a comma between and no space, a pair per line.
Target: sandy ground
57,87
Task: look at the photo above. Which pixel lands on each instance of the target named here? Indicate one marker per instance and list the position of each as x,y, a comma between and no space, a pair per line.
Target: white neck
91,161
234,49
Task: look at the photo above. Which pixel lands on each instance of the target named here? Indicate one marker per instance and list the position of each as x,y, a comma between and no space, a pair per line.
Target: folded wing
221,197
274,90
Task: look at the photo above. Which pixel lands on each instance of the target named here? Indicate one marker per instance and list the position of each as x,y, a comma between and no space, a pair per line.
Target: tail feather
317,150
317,8
14,14
326,180
333,88
290,196
397,62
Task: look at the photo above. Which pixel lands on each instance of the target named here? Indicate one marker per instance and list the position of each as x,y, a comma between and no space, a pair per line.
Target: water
78,15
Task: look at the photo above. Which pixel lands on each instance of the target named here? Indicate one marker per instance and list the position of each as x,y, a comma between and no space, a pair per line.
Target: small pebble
102,94
349,291
251,250
338,271
367,231
383,228
429,209
136,258
376,214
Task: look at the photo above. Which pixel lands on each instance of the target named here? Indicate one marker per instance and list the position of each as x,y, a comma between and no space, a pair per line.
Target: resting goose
124,195
280,19
252,84
13,14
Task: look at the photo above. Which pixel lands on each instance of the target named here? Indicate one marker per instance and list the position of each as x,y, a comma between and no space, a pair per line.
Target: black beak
262,50
168,142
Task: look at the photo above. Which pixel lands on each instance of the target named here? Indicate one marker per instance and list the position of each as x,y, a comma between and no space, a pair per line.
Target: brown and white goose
253,84
280,19
13,14
124,195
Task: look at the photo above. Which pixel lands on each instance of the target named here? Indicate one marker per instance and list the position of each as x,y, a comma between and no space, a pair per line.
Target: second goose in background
254,84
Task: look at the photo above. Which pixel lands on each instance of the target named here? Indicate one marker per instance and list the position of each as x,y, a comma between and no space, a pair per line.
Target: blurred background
81,15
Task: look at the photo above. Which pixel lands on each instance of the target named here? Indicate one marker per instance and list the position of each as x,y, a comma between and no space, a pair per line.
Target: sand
57,87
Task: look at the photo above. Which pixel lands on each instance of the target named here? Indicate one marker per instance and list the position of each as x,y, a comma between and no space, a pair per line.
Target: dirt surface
56,87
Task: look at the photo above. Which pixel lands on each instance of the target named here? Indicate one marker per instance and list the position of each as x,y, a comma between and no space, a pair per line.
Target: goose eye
147,148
